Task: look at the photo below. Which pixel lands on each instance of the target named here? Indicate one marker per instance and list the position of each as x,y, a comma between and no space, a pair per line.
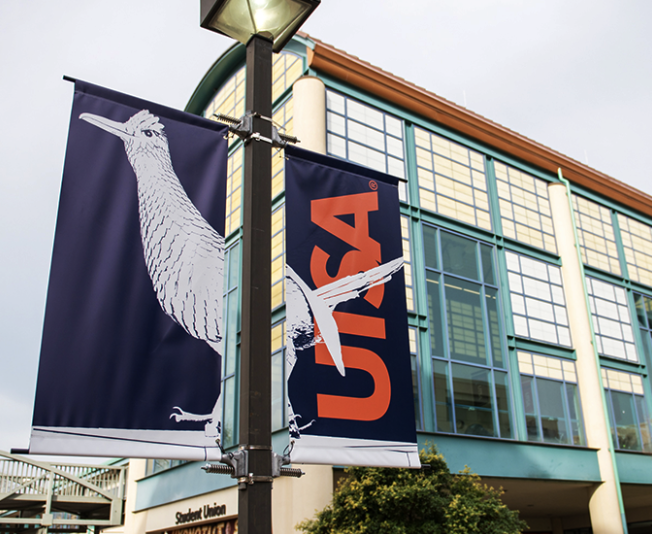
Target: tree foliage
374,500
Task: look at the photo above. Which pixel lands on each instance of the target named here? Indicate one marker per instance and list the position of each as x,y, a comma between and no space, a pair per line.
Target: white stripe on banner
168,444
347,451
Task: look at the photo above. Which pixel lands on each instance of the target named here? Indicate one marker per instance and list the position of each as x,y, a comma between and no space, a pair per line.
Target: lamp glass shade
278,20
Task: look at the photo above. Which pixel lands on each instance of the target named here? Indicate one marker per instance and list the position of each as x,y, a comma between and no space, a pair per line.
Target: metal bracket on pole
243,128
236,464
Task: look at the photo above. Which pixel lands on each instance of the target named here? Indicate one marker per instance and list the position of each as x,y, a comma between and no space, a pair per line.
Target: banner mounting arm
244,130
236,464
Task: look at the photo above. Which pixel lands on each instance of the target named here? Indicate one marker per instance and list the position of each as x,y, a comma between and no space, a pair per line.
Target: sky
575,76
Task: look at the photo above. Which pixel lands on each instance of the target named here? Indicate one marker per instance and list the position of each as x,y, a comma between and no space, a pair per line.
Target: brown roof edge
338,64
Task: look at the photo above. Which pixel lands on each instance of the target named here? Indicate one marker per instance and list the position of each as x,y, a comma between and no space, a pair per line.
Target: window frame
645,447
536,378
492,369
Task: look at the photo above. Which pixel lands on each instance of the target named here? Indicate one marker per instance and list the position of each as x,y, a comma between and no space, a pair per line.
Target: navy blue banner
348,361
131,350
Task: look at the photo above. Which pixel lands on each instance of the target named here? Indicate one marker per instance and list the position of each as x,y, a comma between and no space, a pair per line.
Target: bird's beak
113,127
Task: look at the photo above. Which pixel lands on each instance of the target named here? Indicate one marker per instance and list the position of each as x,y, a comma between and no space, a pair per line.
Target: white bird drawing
184,254
302,302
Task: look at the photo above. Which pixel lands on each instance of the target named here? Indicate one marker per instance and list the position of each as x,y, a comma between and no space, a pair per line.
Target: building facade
529,295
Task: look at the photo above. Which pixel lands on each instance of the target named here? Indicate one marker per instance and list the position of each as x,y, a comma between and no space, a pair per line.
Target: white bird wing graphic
322,301
302,301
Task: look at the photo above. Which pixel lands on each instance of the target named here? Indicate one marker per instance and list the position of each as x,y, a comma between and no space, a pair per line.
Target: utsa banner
348,364
131,350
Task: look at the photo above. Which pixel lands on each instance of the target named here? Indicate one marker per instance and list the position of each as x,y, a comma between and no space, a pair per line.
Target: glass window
470,380
637,242
278,257
233,191
283,118
452,179
235,171
286,69
466,322
611,320
431,248
644,315
365,135
407,266
474,411
443,401
596,235
537,296
279,401
459,255
230,344
414,359
525,208
158,465
551,400
230,99
630,423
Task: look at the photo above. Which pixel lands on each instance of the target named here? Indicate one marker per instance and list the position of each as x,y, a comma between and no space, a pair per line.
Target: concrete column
295,500
134,522
309,98
604,503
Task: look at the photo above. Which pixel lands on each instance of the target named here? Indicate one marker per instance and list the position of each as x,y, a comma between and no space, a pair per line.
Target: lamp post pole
264,27
255,500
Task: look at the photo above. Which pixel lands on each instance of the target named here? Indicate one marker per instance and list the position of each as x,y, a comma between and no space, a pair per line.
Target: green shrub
374,500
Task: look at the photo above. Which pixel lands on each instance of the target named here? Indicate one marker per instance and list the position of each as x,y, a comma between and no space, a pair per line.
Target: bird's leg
213,425
213,428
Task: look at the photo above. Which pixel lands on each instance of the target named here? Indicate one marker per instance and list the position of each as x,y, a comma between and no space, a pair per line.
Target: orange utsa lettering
356,408
324,213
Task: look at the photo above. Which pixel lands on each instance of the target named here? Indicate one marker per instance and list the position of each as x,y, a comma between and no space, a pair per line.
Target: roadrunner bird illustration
183,253
303,302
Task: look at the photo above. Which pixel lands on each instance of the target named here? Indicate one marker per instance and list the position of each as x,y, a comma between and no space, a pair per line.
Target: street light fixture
242,19
263,26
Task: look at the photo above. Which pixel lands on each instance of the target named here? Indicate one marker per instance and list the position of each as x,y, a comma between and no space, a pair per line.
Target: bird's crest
143,121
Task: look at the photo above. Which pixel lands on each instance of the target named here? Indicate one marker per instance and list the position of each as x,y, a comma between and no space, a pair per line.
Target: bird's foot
187,416
212,429
295,429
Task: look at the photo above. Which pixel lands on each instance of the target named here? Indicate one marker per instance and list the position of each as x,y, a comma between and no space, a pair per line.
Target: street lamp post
264,26
255,502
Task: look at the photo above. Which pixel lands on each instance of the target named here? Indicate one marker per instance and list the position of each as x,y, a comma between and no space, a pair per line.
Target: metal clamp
236,464
243,128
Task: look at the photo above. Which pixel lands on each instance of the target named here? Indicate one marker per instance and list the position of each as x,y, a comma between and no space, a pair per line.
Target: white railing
23,479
